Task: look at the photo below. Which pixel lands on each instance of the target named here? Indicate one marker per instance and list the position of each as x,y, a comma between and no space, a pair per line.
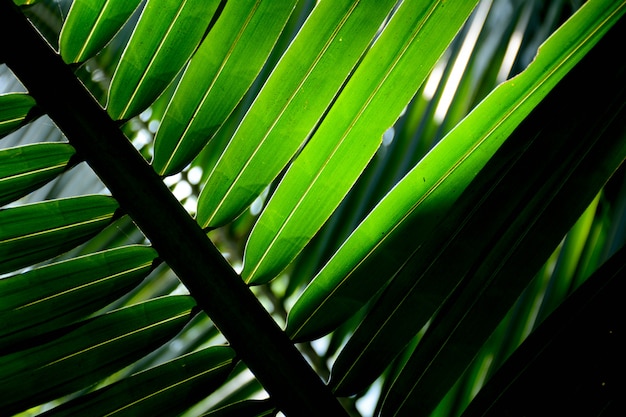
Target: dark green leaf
38,231
568,365
88,351
42,300
24,169
164,390
249,408
378,248
510,220
14,109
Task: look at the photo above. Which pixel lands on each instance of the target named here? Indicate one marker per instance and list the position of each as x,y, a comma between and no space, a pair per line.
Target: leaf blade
216,79
89,26
38,231
14,110
90,351
165,37
350,134
289,105
42,300
159,390
26,168
420,200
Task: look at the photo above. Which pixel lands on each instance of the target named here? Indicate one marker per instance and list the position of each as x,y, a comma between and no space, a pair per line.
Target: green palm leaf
502,242
35,232
290,104
412,210
165,37
292,99
164,390
251,408
586,324
89,351
91,25
220,73
14,110
27,168
42,300
345,141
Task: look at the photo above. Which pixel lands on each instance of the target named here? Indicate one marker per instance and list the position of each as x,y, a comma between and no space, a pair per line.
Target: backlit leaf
90,25
165,37
217,77
351,133
378,248
291,102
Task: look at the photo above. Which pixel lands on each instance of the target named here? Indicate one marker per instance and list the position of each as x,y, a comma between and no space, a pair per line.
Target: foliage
311,208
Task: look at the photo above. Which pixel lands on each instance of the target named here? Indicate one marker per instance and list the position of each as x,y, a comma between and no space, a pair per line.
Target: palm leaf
163,390
410,215
273,129
288,103
584,325
345,141
221,71
90,26
45,299
166,35
88,351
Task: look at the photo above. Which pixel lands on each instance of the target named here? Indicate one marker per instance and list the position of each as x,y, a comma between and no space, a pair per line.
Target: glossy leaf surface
377,249
89,351
38,231
217,77
44,299
26,168
90,25
164,39
291,102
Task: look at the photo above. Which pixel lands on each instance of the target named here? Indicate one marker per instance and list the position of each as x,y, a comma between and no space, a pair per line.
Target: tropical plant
244,208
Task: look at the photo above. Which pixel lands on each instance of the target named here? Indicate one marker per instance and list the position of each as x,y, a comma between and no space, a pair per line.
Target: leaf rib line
80,287
153,59
210,88
118,338
354,121
7,122
79,57
461,160
56,229
280,115
169,387
34,172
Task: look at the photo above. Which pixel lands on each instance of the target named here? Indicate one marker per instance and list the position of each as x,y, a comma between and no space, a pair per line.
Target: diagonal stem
219,291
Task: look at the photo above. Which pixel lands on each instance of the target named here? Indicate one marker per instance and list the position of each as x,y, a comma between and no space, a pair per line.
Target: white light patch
461,61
